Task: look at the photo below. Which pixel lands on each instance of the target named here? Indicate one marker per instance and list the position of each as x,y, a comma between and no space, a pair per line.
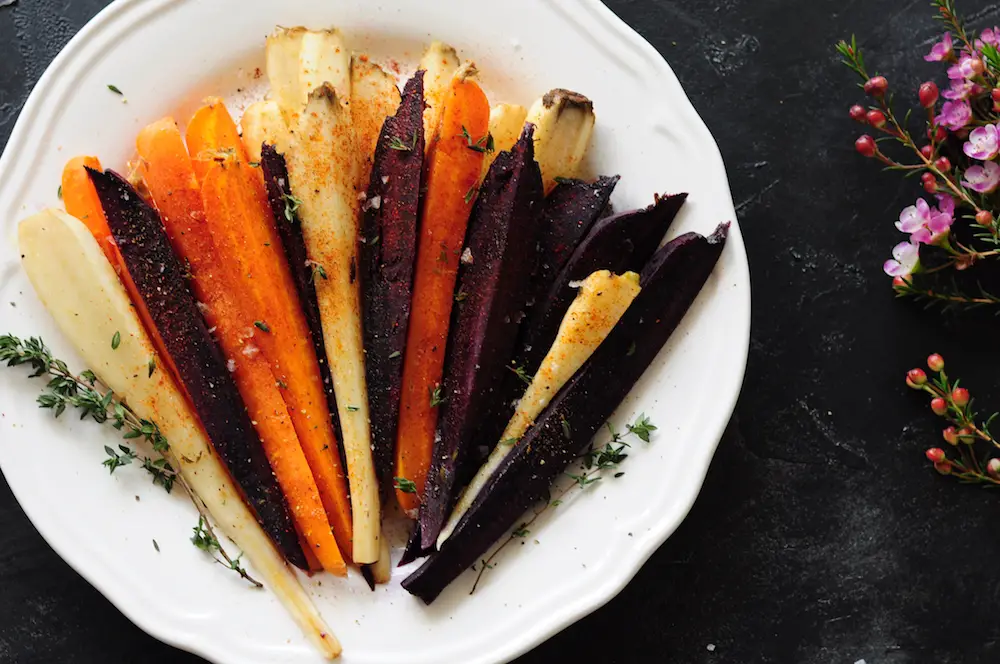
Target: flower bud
995,94
865,145
928,94
960,396
938,134
927,151
915,378
950,435
898,283
939,406
875,118
876,86
929,182
935,362
984,218
967,435
942,164
935,455
944,467
993,468
857,113
977,65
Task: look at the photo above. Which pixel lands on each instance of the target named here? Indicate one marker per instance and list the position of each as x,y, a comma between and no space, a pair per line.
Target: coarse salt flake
467,256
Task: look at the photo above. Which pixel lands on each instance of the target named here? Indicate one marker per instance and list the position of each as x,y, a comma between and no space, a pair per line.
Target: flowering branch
958,164
954,404
948,298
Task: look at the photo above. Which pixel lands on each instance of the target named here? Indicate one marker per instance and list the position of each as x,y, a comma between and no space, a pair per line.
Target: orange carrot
452,176
169,176
81,201
212,136
241,224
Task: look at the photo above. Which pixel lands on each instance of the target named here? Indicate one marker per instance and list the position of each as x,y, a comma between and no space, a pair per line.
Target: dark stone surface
821,536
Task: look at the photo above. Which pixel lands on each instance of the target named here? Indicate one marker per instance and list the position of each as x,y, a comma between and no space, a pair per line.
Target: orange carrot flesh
168,173
238,218
452,177
81,201
212,136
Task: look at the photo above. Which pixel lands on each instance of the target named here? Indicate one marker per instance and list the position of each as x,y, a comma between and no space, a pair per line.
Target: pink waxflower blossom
955,115
961,89
924,223
964,69
946,204
915,217
983,143
982,179
991,36
940,51
905,259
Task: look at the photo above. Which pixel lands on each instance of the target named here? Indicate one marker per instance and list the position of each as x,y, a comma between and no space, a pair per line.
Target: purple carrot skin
388,252
670,283
160,279
495,277
413,549
570,210
279,192
618,243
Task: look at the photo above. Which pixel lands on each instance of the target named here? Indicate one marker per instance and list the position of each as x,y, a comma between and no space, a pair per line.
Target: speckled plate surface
165,56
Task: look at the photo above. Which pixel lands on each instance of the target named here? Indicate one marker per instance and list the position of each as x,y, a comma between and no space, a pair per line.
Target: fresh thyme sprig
93,400
595,462
292,203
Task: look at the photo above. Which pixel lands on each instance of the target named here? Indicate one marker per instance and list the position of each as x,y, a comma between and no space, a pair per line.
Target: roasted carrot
168,173
454,166
212,136
240,223
81,201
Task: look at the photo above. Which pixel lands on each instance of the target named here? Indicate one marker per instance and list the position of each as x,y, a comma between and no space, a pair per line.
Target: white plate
165,55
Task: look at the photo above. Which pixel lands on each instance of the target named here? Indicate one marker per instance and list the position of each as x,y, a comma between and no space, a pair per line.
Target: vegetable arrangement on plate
359,296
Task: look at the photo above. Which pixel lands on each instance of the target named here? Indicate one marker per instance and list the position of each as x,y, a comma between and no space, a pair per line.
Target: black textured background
821,535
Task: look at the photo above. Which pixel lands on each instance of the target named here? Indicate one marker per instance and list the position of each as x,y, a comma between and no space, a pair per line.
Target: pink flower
983,143
983,179
961,89
905,259
954,115
964,68
991,36
946,204
941,50
924,223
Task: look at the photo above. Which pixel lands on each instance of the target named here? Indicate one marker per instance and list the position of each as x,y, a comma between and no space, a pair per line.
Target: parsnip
382,568
282,51
564,124
76,283
601,302
323,171
325,60
262,123
439,63
374,97
506,121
